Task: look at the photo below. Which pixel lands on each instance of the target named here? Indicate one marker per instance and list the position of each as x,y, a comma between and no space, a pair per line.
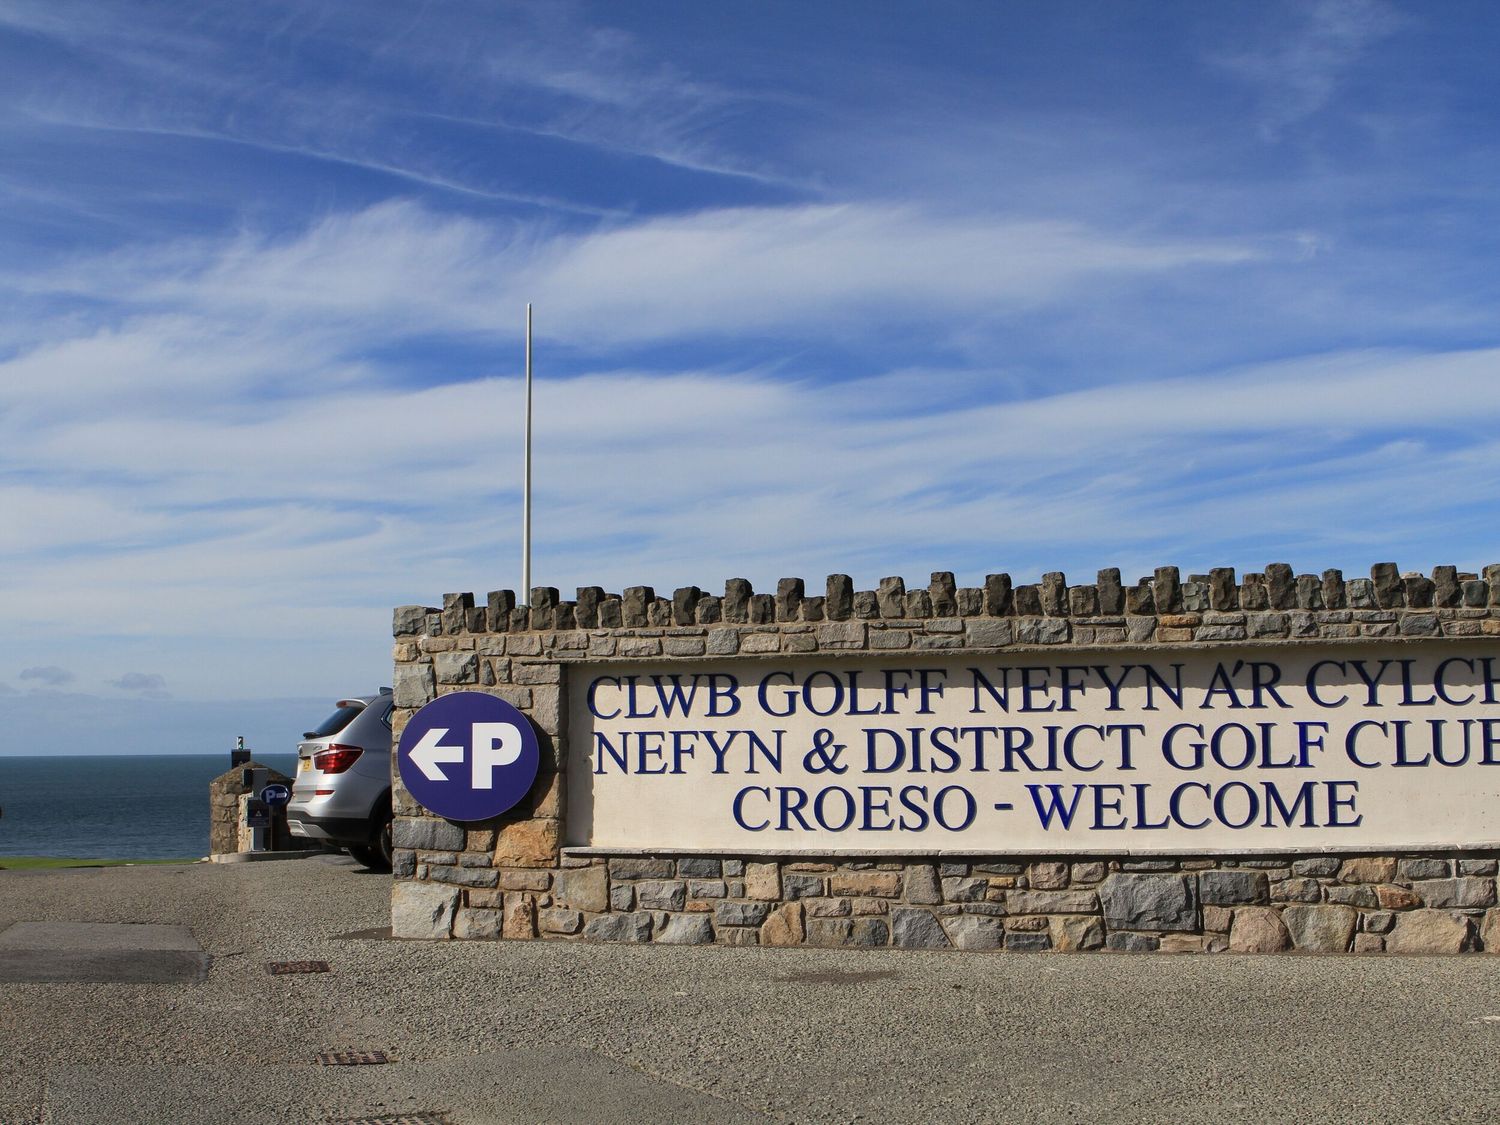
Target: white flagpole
525,598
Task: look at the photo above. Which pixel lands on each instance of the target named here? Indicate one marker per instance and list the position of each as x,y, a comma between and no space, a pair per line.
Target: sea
112,807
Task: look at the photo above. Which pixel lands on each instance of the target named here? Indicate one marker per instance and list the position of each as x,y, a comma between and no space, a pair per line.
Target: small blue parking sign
468,756
276,794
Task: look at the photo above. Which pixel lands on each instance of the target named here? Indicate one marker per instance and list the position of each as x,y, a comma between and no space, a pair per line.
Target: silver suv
342,794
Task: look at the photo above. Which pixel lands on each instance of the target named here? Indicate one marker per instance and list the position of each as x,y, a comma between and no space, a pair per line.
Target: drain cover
284,968
353,1058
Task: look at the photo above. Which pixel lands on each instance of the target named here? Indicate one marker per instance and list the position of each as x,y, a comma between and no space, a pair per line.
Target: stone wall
227,834
511,877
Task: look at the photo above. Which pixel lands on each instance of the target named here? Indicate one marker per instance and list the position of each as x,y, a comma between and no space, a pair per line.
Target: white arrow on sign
430,751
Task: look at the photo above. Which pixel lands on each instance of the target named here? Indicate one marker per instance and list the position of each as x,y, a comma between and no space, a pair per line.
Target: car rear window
335,722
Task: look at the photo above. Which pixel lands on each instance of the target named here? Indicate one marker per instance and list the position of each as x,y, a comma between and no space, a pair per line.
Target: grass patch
49,862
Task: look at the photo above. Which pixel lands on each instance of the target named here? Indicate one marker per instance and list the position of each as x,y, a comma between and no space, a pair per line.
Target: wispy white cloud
1301,73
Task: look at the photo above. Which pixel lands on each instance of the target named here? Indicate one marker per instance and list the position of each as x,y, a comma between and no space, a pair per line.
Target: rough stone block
795,886
1471,891
1018,942
686,929
1325,866
428,834
620,927
1075,935
1424,868
1089,872
914,928
784,926
880,884
848,931
841,635
1429,931
1150,902
414,685
558,920
663,894
1359,894
1233,888
1120,942
586,888
1258,929
1049,876
520,917
921,885
477,925
1368,869
1320,929
528,843
422,910
741,913
1052,902
641,868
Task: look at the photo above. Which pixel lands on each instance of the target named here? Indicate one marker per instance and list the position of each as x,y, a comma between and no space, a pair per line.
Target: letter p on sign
492,745
489,748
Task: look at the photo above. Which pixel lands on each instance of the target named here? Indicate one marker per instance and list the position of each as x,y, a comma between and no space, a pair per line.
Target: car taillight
336,759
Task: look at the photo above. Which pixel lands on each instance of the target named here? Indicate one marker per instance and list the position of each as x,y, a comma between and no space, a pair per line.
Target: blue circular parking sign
468,756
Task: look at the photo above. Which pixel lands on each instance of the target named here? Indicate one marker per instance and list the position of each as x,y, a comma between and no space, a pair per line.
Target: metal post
525,598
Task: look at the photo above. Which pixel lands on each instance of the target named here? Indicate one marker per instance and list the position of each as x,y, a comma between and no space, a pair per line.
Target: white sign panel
1291,749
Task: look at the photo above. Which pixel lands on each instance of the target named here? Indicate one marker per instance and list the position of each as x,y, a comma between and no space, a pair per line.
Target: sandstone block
584,888
1428,931
422,910
1321,929
477,925
1368,869
528,843
881,884
1489,931
1072,935
762,881
557,920
784,926
520,917
1258,929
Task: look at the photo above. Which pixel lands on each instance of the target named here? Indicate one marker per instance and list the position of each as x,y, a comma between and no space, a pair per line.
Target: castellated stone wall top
1276,606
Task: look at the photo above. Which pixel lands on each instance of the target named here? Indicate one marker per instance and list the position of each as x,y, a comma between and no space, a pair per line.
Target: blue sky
872,288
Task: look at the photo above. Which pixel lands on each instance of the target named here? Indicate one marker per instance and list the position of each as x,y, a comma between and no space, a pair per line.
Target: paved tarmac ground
149,1028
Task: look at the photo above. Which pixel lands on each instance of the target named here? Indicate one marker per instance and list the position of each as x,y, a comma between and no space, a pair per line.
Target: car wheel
377,855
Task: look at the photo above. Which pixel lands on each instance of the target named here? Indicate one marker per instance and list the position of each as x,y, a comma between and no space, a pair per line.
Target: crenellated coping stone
1281,604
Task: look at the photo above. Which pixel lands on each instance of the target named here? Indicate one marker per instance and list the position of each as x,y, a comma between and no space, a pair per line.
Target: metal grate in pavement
353,1058
285,968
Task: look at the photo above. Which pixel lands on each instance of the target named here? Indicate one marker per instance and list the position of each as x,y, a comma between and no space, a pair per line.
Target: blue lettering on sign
468,756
